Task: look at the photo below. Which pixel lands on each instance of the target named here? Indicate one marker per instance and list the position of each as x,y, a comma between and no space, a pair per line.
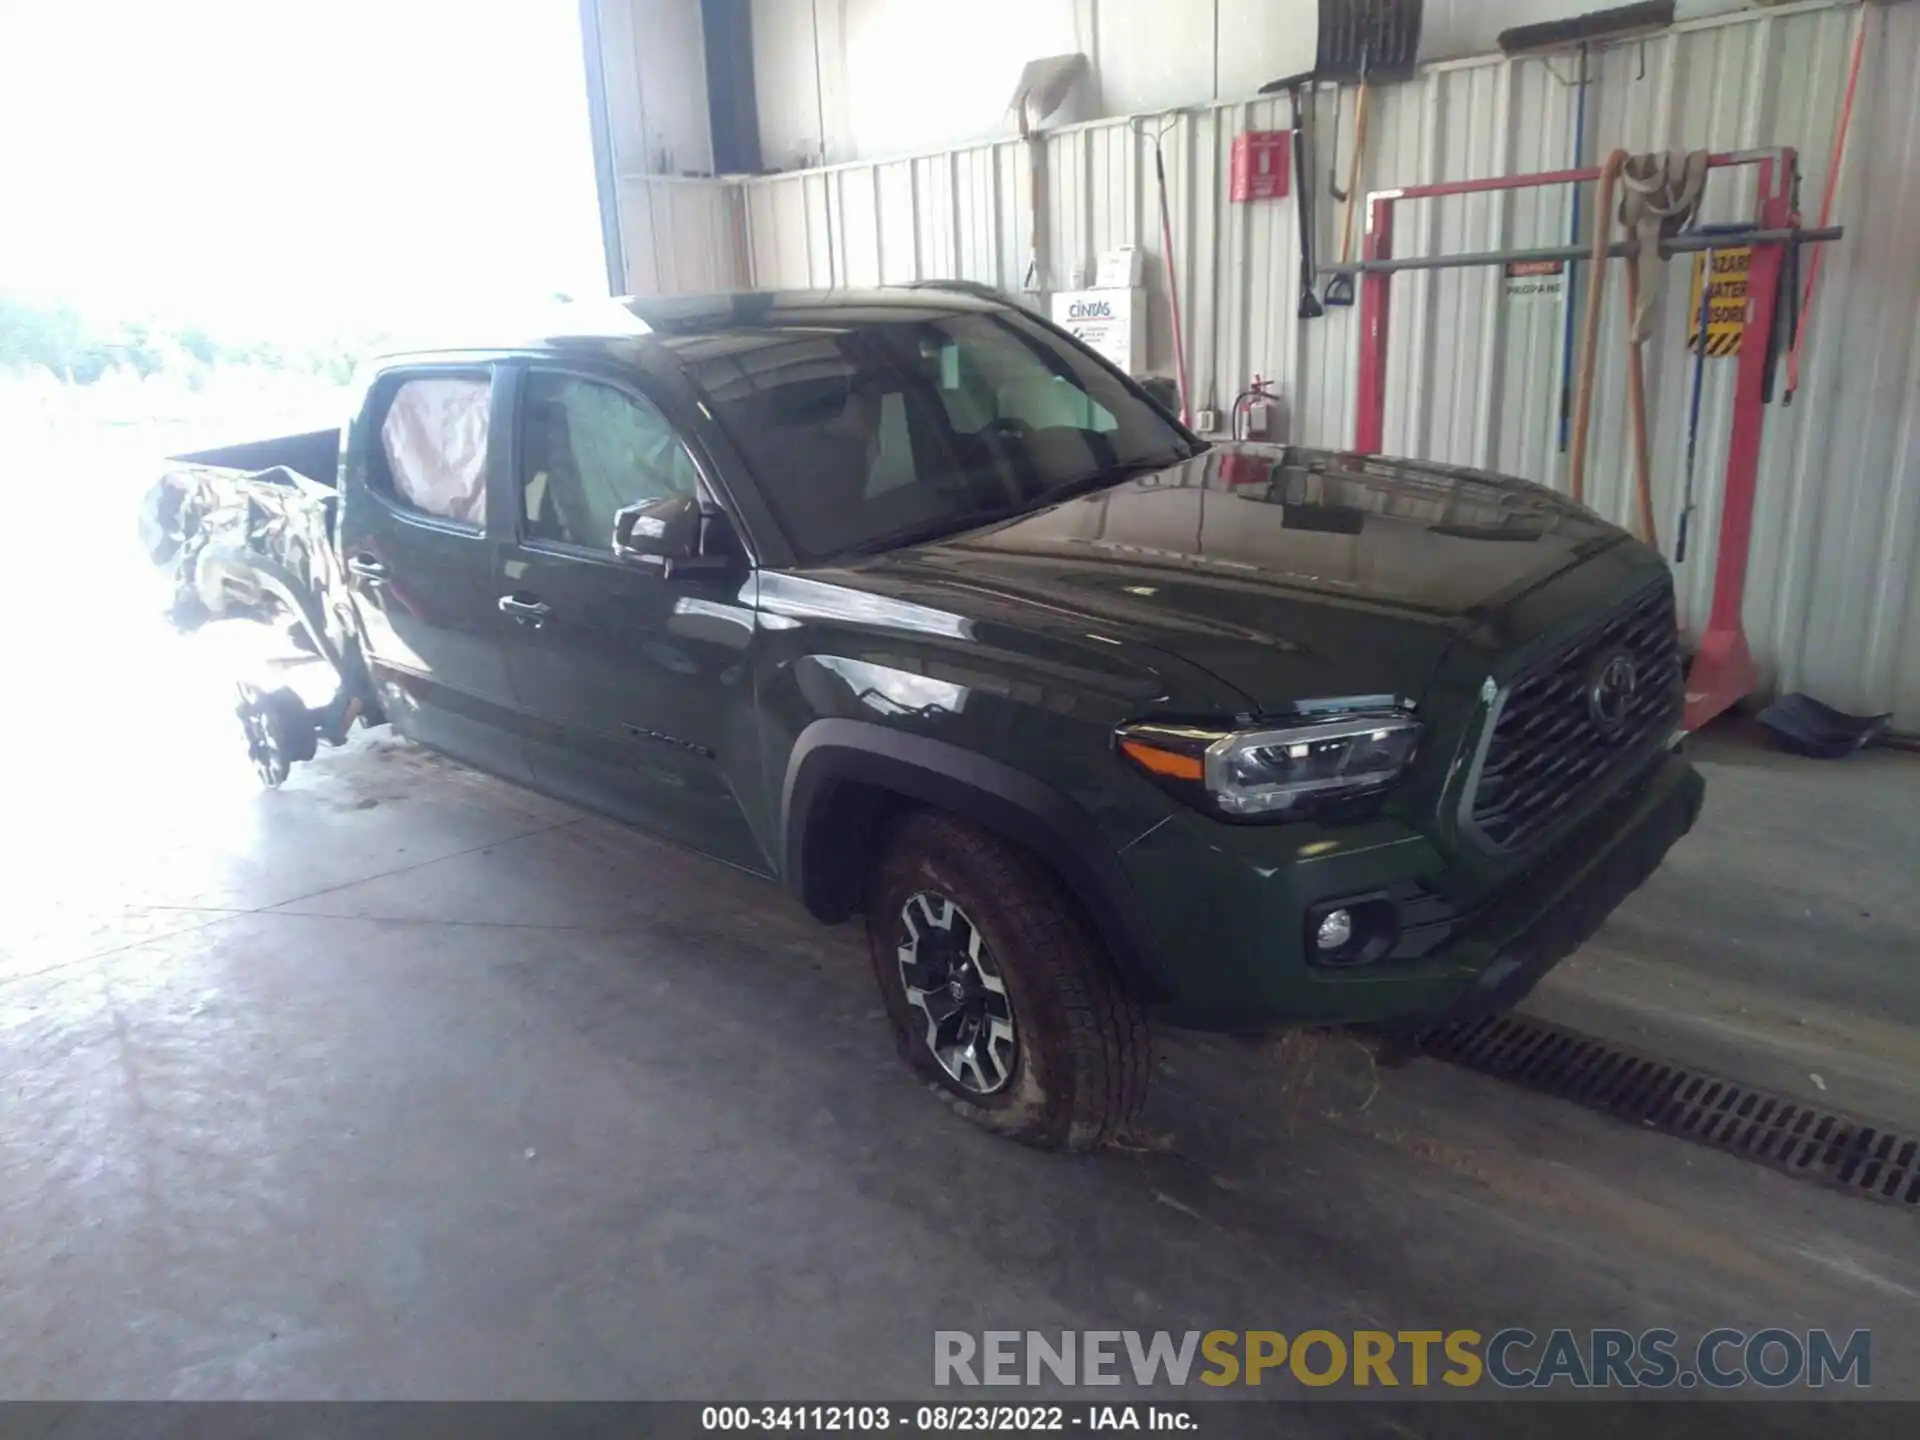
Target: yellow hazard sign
1726,305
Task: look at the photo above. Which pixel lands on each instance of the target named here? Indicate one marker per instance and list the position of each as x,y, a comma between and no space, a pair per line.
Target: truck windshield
882,433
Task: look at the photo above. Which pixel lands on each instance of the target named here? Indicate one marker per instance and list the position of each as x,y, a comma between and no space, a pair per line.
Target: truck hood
1290,574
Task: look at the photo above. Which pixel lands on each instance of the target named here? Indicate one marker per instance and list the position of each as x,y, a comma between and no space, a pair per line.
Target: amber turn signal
1163,762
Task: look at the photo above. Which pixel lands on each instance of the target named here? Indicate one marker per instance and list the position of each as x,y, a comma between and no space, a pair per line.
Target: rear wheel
998,994
279,731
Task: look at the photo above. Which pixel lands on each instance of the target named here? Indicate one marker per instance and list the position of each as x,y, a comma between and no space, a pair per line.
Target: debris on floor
1802,725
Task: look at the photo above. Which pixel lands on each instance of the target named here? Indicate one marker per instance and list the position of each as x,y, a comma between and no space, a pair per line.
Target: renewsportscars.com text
1512,1358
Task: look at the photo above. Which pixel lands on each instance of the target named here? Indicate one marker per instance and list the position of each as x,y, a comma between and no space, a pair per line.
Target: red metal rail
1723,670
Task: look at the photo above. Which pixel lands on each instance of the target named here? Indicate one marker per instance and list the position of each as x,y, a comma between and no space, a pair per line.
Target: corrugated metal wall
1833,599
681,237
1833,596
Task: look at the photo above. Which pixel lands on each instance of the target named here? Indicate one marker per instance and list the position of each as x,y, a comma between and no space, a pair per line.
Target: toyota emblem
1610,692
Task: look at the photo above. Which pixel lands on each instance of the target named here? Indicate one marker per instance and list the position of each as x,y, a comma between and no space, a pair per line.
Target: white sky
295,169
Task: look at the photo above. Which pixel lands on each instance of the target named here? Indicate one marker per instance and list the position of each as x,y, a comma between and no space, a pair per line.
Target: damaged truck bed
245,533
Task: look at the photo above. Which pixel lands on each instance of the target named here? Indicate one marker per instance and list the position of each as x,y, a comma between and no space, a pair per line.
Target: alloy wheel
950,977
266,747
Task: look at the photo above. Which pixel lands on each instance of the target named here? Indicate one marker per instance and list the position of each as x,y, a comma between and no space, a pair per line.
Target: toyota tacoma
909,601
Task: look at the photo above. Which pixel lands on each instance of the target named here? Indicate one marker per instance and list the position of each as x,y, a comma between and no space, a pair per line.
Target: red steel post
1723,670
1370,401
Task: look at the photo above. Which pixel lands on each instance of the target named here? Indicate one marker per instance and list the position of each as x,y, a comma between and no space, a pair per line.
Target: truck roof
607,324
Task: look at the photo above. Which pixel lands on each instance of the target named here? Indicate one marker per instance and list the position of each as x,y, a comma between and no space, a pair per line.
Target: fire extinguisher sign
1261,165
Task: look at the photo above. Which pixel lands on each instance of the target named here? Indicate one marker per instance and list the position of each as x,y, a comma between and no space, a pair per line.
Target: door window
434,441
588,451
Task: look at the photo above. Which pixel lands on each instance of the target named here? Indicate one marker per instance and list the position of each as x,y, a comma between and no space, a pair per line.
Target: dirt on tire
1084,1053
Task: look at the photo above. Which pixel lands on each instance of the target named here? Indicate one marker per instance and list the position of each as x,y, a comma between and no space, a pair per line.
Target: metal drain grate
1788,1135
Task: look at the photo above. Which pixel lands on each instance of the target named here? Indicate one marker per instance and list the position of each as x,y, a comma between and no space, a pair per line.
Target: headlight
1289,773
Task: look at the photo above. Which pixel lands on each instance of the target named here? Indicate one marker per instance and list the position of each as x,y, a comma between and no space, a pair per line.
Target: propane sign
1726,305
1534,279
1108,322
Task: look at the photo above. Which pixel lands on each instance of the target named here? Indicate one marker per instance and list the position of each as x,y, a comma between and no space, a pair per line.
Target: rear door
423,459
636,688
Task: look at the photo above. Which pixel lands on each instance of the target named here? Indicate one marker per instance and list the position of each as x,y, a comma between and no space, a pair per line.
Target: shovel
1358,40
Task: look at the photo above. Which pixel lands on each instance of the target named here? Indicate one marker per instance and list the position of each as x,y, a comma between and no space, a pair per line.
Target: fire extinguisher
1252,415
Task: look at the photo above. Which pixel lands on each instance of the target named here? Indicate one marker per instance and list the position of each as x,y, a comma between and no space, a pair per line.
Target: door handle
525,611
365,567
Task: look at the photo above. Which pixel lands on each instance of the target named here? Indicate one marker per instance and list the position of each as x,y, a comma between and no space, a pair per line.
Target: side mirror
656,531
676,533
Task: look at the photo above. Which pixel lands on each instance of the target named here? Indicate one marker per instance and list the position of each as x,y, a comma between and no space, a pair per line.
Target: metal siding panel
636,232
776,234
823,261
899,235
974,257
1013,219
937,218
681,235
1832,584
856,223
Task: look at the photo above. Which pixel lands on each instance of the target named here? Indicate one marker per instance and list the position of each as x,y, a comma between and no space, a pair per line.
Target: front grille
1548,751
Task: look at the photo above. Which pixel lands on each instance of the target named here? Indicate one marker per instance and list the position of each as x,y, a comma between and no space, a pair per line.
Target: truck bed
246,532
313,455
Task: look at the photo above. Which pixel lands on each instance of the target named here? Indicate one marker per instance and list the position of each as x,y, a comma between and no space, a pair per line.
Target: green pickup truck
907,600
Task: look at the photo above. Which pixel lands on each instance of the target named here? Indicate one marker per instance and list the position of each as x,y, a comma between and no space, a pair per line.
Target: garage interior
402,1082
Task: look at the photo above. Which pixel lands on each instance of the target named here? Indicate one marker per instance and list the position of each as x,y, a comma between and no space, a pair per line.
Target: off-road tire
1083,1054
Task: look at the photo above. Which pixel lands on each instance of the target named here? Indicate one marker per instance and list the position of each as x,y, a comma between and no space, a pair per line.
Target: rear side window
433,440
588,451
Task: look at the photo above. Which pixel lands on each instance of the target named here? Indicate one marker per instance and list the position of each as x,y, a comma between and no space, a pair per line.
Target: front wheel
998,994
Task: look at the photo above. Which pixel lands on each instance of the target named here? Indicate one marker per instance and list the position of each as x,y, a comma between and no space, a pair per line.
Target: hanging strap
1661,191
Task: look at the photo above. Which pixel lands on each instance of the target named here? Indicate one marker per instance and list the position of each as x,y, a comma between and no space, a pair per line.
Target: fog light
1336,929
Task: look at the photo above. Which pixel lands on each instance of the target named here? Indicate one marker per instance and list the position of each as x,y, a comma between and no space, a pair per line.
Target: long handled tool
1173,286
1159,127
1637,412
1693,407
1662,193
1590,327
1333,160
1550,38
1339,289
1300,92
1357,40
1826,201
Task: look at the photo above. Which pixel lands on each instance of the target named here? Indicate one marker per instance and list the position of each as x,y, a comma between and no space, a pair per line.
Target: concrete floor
402,1082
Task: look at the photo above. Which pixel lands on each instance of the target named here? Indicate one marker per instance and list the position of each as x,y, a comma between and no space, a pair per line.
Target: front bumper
1534,933
1230,922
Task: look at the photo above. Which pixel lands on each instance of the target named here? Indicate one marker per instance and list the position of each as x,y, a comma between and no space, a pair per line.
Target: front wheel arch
848,780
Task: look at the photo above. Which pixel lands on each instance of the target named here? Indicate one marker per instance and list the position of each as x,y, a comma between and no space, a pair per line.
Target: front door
636,689
414,540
